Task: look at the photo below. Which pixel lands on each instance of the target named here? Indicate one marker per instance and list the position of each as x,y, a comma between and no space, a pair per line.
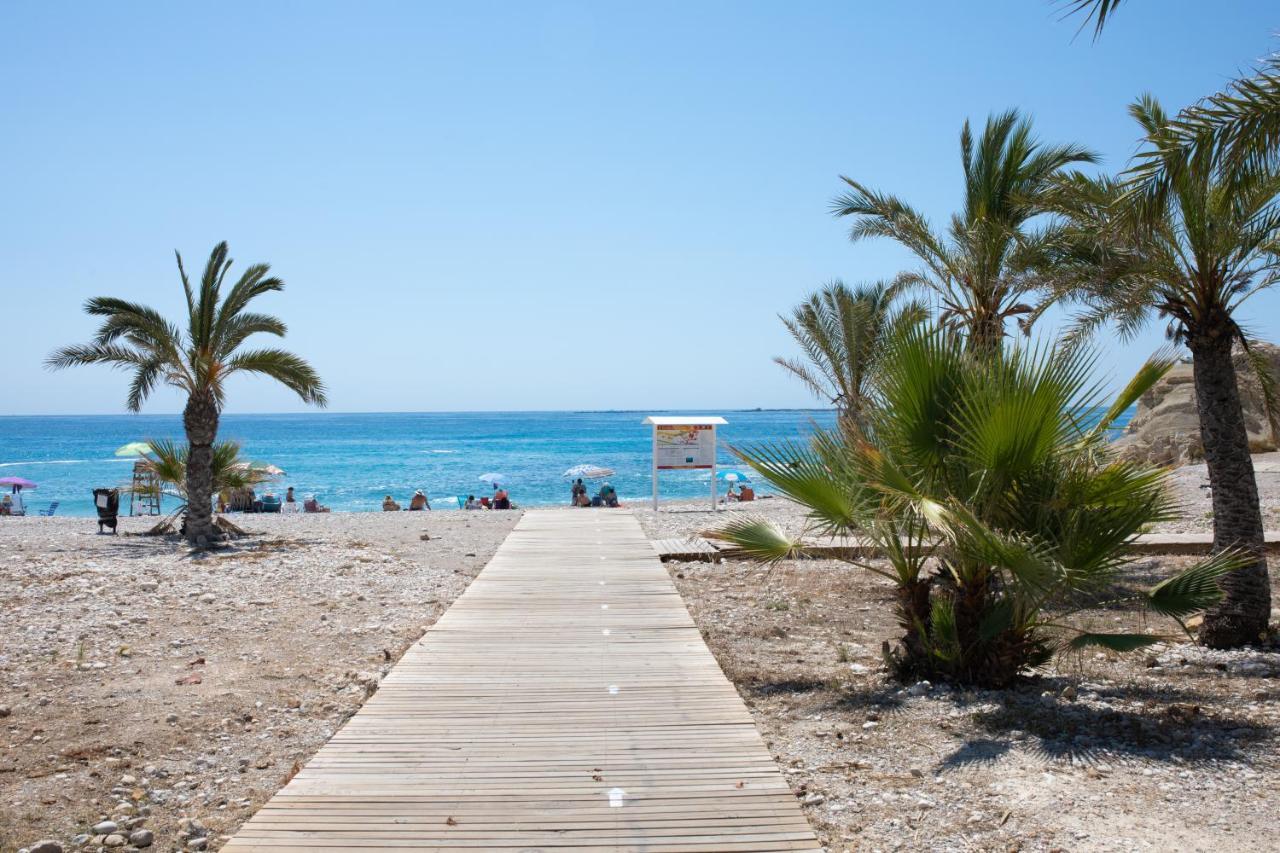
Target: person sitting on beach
389,505
732,494
313,505
485,504
419,502
746,494
577,490
288,495
6,505
608,496
472,503
501,500
582,499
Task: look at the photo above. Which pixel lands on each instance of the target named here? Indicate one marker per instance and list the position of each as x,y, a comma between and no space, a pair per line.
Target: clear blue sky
526,205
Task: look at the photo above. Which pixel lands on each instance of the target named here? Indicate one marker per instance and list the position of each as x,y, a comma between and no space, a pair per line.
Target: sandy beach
170,695
153,695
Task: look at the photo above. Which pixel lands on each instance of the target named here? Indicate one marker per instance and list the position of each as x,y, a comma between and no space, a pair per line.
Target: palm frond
286,368
758,538
1121,643
1152,371
1195,589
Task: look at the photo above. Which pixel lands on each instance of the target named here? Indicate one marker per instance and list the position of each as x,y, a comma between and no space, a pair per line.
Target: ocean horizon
350,460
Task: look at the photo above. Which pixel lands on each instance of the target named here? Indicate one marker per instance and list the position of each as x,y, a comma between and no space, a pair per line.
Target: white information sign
682,442
691,446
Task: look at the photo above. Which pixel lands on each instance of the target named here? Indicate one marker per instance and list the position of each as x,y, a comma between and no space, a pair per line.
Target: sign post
684,443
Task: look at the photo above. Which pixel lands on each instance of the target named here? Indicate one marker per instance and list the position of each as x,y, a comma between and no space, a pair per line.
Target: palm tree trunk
200,418
1242,615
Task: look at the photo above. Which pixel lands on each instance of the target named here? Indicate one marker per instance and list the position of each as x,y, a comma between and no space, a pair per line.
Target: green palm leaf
758,538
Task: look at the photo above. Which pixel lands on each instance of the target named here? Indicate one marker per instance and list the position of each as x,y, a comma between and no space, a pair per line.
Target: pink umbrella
17,483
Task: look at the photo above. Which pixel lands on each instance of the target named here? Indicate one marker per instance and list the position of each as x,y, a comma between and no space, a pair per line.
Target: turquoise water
351,460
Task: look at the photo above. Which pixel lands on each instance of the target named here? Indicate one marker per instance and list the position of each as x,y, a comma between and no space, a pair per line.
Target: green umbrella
134,448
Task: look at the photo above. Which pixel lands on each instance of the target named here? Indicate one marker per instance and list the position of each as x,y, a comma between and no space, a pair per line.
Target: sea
350,461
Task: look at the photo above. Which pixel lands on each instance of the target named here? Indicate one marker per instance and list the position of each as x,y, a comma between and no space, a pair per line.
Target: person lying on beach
389,505
419,502
501,500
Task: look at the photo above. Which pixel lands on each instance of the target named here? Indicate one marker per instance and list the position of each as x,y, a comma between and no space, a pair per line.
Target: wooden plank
687,549
565,701
837,547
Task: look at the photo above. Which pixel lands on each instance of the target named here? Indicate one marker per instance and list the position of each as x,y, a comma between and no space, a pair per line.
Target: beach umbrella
18,483
493,478
590,472
134,448
731,476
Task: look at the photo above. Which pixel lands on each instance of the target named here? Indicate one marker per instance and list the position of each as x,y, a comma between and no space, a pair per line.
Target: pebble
113,840
197,843
106,827
45,847
142,838
5,711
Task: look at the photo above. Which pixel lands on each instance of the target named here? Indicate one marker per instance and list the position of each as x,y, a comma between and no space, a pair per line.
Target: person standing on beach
578,489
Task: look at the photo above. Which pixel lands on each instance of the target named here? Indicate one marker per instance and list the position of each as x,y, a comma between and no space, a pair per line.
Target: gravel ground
1172,748
152,696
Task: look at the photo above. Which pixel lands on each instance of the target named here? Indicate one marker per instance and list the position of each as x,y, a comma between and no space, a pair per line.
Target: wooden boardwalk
566,701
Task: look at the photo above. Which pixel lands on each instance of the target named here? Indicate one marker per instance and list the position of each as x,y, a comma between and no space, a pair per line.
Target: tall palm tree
985,268
137,338
843,332
1194,248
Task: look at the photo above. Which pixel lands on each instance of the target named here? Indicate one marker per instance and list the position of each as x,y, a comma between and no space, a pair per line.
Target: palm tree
167,463
842,332
1193,247
137,338
999,510
985,268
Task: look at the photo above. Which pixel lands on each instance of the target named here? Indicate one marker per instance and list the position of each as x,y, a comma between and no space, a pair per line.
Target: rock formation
1166,427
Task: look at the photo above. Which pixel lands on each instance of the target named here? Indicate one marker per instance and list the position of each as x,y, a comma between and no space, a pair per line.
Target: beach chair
53,507
270,503
107,503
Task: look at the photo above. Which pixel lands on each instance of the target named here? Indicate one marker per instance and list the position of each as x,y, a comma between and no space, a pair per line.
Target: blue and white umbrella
590,472
493,478
732,476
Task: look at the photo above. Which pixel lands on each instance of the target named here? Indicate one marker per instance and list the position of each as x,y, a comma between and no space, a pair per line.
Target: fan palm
1193,249
139,339
985,267
167,462
998,508
842,332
